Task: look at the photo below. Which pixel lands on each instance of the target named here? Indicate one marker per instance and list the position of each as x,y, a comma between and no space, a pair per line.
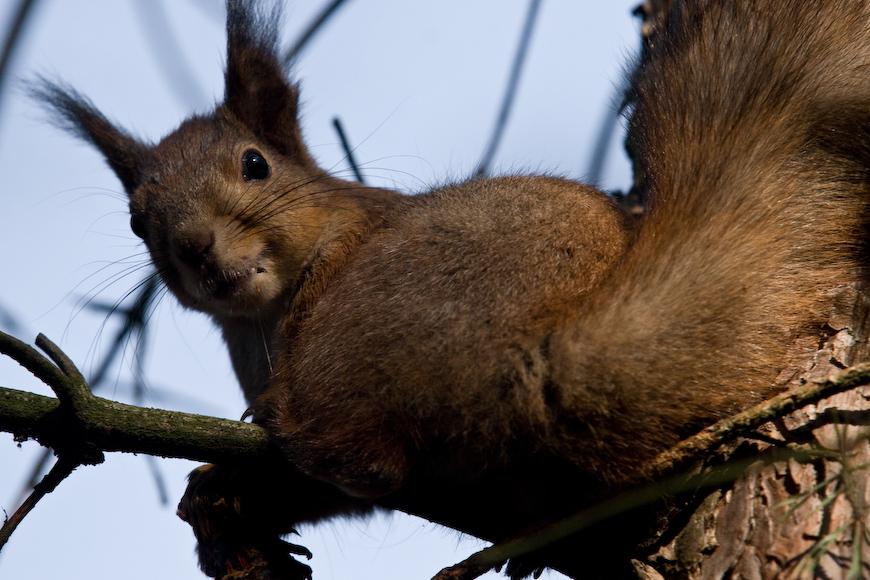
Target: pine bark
794,519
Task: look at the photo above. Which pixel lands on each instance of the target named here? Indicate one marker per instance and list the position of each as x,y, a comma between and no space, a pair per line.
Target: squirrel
495,354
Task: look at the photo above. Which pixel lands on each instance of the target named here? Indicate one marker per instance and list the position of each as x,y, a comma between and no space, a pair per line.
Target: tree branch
79,427
113,426
708,439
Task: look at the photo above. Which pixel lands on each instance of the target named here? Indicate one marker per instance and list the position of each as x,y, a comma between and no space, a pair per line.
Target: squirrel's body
432,338
497,353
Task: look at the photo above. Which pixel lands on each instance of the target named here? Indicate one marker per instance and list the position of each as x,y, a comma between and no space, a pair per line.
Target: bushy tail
752,121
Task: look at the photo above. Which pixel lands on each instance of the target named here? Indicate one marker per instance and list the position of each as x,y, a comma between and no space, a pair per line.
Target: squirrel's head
229,204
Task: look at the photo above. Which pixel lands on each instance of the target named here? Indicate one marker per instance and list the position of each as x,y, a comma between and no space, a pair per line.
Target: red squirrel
495,354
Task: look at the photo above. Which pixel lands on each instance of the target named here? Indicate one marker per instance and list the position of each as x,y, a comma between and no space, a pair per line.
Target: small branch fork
79,427
73,398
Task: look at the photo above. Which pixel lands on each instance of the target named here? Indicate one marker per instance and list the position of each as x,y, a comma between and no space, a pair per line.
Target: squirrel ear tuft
257,91
74,113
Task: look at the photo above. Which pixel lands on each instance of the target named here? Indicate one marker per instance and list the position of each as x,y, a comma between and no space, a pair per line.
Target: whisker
145,290
84,301
350,190
266,345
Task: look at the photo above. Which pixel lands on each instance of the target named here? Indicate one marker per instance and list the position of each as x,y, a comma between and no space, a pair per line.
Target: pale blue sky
417,86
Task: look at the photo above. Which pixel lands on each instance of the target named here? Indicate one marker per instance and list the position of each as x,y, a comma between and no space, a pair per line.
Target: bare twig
606,132
164,45
348,152
13,36
312,29
36,473
511,90
741,424
73,391
29,358
498,554
61,469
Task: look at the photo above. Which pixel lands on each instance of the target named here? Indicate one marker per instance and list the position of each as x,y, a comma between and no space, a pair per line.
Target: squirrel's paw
234,541
266,563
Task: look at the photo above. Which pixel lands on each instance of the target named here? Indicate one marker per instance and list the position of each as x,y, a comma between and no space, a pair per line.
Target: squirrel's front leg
356,446
239,512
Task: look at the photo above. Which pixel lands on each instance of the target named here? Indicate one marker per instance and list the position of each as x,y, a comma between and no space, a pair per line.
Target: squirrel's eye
137,224
254,166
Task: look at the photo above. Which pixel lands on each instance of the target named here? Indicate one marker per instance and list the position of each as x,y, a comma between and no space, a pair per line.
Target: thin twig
61,469
498,554
159,480
609,124
177,71
701,444
510,91
35,475
134,319
308,34
58,357
29,358
72,391
348,152
10,43
7,319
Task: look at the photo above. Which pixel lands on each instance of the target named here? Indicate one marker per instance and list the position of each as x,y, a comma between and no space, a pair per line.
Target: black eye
137,224
254,166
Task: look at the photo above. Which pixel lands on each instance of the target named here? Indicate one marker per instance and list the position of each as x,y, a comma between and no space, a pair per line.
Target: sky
417,86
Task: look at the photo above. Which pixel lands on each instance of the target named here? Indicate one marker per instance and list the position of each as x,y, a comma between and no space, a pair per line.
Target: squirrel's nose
194,247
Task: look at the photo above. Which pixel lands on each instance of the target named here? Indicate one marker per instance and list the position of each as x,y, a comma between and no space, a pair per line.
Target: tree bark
796,519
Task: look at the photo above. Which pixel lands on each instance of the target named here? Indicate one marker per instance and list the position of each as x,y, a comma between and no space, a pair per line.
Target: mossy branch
109,425
113,426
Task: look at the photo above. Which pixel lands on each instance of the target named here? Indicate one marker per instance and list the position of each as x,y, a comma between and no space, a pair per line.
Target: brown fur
492,355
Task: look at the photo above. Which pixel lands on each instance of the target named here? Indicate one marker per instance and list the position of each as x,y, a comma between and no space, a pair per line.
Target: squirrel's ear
76,114
257,91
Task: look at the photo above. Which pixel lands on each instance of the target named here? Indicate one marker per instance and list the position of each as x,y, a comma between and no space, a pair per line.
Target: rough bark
795,519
